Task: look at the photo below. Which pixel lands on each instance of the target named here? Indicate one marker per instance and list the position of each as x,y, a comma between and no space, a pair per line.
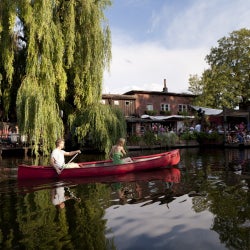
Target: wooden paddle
73,158
69,161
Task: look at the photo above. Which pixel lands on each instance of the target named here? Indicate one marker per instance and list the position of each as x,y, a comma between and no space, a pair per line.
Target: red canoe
102,168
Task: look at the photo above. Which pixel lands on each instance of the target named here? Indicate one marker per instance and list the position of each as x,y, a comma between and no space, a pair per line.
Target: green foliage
103,125
134,140
226,82
57,52
219,89
38,116
188,136
7,22
183,113
195,84
149,138
168,139
150,112
213,137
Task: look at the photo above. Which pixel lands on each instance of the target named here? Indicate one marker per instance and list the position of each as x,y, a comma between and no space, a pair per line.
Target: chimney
165,89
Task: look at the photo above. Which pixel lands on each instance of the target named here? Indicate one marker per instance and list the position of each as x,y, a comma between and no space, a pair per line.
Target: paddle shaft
73,158
70,161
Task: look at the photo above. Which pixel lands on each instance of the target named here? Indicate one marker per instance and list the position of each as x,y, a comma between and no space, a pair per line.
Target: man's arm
72,153
53,164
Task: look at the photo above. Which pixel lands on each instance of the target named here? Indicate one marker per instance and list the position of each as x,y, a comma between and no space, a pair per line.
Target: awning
170,117
208,111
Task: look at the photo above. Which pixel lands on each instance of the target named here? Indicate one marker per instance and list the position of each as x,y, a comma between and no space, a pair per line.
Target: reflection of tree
41,225
8,222
226,195
227,203
90,226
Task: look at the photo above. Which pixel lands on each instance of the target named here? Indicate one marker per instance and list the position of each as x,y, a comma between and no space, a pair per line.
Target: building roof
118,97
134,92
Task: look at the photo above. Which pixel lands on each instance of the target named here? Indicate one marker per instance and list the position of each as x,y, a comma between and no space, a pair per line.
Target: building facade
135,104
160,103
126,103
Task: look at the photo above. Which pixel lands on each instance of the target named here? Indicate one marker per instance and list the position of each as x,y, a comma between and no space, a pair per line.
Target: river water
203,203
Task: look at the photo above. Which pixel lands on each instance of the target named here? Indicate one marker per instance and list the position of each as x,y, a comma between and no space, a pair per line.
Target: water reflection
61,194
204,204
149,192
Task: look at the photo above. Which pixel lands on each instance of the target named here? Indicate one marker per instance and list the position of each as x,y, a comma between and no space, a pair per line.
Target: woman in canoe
57,159
117,152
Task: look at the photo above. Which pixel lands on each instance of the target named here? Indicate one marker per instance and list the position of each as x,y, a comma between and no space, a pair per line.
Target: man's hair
58,141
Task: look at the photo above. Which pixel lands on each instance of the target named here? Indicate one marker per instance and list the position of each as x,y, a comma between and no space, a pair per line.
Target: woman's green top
117,158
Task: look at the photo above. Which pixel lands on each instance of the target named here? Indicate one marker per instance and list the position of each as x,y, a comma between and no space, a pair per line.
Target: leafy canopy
226,82
53,54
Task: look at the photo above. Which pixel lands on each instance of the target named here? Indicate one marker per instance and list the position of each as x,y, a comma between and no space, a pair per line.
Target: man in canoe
117,152
57,159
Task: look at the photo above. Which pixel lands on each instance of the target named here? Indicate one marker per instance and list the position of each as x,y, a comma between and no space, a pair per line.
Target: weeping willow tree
7,46
100,125
62,48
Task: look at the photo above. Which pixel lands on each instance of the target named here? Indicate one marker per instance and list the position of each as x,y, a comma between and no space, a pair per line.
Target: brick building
161,102
162,107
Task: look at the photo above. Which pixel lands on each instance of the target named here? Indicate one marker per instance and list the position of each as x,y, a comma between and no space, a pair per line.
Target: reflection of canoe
102,168
165,174
171,174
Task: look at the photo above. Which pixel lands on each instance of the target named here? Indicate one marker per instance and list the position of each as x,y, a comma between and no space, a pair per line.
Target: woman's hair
58,141
121,141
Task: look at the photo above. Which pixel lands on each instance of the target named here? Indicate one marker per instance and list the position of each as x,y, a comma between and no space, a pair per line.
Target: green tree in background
226,82
195,84
53,54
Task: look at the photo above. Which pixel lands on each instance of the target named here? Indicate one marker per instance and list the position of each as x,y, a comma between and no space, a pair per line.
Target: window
165,107
183,107
102,101
127,103
150,107
116,102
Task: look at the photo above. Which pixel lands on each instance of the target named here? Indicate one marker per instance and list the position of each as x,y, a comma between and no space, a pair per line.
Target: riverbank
9,149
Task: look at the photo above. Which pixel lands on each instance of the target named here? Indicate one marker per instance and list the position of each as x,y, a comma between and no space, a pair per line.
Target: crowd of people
240,134
236,134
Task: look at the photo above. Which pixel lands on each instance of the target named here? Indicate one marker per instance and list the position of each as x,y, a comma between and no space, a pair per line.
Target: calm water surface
203,203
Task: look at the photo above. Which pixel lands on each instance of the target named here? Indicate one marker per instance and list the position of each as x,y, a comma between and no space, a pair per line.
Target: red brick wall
142,100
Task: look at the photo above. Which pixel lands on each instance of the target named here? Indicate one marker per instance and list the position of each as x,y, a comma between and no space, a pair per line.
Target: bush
150,112
188,136
149,138
204,137
134,140
168,139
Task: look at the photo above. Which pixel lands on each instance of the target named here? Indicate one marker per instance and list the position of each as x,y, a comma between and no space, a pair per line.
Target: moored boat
102,168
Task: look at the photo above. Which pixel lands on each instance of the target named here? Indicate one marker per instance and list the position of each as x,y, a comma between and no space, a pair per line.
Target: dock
9,150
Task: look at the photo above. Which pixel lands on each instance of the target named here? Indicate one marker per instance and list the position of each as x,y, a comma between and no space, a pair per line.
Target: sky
153,40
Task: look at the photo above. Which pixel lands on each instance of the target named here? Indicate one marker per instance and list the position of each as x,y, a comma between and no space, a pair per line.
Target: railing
13,139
